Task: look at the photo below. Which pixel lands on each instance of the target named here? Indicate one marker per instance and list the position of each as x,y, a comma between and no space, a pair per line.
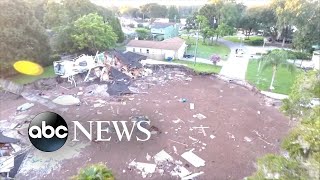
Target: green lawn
25,79
205,50
246,41
200,67
283,80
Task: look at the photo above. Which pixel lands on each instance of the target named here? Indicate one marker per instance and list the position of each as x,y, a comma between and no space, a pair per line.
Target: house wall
158,54
181,51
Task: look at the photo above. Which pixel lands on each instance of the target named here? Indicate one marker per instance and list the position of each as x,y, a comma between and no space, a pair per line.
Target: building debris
162,157
148,157
114,66
180,171
199,116
7,158
145,168
66,100
201,129
177,121
193,159
212,136
247,139
25,106
178,142
231,136
191,176
191,106
261,137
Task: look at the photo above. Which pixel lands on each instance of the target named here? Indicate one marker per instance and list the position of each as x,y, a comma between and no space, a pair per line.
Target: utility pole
195,50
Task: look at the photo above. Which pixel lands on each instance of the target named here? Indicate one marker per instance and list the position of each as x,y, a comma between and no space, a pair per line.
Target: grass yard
204,50
283,79
252,41
25,79
200,67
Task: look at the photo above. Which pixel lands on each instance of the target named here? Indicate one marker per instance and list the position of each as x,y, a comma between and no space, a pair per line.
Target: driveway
236,67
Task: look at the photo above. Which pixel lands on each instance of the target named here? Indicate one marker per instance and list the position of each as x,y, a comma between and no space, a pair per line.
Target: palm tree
275,59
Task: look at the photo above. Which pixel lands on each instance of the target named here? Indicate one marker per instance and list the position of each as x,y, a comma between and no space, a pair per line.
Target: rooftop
130,58
160,25
168,44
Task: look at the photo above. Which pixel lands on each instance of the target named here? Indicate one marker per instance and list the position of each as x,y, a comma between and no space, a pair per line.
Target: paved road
236,67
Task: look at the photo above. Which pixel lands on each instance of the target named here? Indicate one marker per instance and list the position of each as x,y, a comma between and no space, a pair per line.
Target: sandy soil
234,117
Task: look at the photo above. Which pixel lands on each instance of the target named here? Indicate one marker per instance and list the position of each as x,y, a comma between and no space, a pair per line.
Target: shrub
255,42
296,54
94,172
215,59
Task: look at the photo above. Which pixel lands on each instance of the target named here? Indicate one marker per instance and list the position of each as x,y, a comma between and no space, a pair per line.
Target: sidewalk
235,67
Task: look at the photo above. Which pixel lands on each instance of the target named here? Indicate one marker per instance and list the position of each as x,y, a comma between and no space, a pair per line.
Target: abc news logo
48,131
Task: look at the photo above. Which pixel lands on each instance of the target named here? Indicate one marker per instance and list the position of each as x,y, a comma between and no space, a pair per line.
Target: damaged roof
118,75
4,139
130,58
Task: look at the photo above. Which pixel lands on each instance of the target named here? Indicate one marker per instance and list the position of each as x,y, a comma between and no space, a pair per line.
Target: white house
169,48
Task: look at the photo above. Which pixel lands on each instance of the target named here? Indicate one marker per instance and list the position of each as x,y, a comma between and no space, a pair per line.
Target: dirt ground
240,128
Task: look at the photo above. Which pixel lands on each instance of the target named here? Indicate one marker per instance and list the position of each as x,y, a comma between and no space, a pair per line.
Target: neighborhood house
170,48
161,31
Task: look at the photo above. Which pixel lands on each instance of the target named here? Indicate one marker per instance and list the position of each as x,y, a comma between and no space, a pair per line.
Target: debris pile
165,163
10,156
114,66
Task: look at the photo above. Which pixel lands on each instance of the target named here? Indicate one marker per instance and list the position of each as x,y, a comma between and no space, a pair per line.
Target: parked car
188,56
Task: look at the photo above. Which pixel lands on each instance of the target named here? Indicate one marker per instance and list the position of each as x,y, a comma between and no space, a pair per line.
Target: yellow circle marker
28,68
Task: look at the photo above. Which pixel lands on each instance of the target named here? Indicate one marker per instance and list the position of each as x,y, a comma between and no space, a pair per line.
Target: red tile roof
168,44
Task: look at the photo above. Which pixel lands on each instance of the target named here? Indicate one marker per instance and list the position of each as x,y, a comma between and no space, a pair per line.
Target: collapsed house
7,157
129,63
105,66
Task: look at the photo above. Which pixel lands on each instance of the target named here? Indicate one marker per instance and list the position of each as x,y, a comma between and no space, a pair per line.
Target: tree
249,22
190,24
303,142
68,11
307,22
305,88
142,33
95,172
210,12
231,14
204,26
267,20
91,34
224,30
284,18
275,59
173,14
154,10
21,37
129,11
277,167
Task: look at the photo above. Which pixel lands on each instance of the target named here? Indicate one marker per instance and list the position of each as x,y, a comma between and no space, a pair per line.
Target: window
148,51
